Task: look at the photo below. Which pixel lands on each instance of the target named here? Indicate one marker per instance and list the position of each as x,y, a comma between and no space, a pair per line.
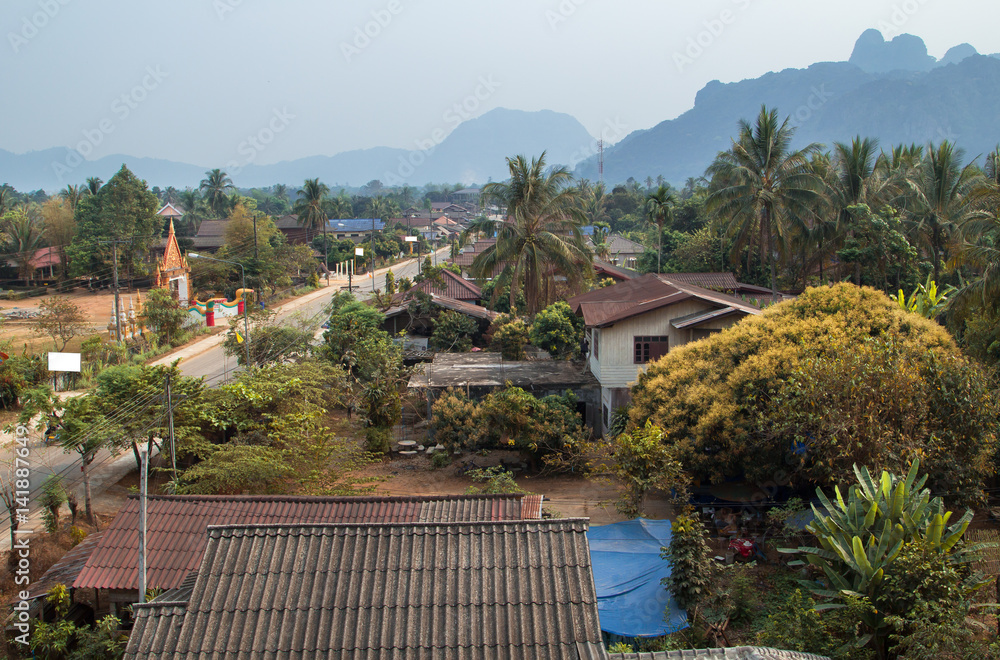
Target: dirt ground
96,308
571,496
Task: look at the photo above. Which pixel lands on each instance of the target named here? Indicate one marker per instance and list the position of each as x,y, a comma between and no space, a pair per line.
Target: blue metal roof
354,224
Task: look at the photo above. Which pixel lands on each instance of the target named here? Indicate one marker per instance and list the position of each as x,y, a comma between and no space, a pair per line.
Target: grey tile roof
735,653
447,590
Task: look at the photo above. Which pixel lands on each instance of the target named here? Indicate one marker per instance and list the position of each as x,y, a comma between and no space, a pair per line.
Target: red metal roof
177,524
455,286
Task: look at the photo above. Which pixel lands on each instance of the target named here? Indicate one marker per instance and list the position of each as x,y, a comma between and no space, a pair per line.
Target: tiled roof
290,221
613,271
455,286
618,244
606,306
66,569
177,525
170,211
734,653
717,281
453,590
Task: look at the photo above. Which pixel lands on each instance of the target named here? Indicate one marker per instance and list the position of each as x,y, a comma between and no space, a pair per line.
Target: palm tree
280,191
660,208
310,209
856,179
94,184
541,234
23,237
759,182
214,187
942,199
72,194
602,247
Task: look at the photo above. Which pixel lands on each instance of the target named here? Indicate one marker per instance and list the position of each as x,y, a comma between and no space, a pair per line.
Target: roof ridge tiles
328,498
554,523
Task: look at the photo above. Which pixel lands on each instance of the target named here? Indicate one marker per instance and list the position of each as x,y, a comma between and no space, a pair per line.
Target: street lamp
243,277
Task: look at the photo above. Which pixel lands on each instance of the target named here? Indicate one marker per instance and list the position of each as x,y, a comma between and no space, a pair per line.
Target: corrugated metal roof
606,306
454,590
734,653
66,569
716,281
401,306
692,320
353,224
455,286
176,527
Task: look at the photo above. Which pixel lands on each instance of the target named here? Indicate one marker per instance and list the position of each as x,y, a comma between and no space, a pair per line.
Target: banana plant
926,300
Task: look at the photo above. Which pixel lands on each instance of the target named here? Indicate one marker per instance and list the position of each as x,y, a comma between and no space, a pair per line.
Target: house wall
615,367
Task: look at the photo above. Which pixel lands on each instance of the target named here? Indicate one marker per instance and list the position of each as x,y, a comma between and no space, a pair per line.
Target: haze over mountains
893,90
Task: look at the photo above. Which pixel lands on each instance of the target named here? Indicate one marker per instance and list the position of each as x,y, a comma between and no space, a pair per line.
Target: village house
632,323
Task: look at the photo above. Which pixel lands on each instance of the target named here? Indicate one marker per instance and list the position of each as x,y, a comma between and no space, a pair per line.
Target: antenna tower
600,160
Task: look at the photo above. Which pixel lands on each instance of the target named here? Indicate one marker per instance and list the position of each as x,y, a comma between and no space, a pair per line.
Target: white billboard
64,362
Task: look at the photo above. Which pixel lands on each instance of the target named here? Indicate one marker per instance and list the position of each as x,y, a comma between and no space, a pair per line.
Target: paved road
203,358
207,359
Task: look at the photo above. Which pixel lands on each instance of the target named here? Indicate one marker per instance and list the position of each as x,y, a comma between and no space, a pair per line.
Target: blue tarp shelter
625,557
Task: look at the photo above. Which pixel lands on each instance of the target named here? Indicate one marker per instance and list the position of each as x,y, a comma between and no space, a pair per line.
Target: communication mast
600,160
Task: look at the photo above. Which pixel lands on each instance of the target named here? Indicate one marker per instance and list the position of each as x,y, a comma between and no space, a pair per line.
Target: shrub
804,390
509,337
641,462
690,566
498,480
557,330
440,459
378,439
454,420
52,498
453,332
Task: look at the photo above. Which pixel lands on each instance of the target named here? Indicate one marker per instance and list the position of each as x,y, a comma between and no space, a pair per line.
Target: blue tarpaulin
631,602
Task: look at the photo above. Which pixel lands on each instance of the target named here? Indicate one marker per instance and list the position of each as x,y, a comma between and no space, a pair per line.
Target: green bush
557,330
453,332
509,337
440,459
454,420
378,439
690,563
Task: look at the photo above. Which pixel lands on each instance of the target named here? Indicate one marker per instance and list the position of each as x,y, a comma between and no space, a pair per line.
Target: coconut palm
941,199
280,191
72,194
759,182
94,184
539,238
659,207
310,209
214,187
599,239
856,179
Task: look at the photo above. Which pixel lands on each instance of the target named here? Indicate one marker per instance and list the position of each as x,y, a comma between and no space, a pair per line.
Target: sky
210,81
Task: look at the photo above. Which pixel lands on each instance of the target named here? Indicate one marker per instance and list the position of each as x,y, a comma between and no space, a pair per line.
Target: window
595,335
607,416
650,348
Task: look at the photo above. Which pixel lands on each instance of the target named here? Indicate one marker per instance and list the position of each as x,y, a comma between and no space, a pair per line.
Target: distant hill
888,90
473,152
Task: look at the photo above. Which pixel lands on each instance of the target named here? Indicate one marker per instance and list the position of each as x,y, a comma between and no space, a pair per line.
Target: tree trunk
770,255
88,504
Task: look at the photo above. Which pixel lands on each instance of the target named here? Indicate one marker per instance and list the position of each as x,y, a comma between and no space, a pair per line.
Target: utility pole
170,428
143,493
118,302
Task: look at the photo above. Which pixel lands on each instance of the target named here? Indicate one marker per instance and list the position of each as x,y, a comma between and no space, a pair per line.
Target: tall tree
124,210
540,236
659,209
72,195
310,209
941,200
854,180
759,182
214,187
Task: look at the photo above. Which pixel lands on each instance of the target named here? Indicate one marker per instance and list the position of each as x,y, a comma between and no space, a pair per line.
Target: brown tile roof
455,286
603,307
177,525
290,221
454,590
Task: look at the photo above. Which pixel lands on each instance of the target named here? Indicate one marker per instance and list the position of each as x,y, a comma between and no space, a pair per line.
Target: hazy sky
193,80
